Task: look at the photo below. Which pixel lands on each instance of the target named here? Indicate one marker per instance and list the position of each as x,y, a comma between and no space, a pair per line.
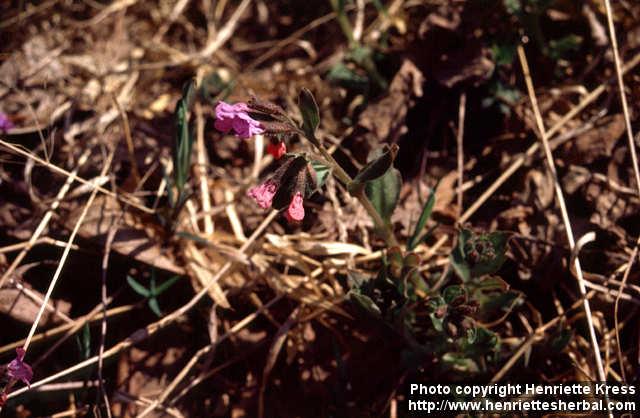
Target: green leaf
154,306
344,76
322,172
454,295
166,285
137,287
422,220
499,302
512,6
460,363
384,193
558,48
356,279
310,114
86,341
561,339
377,167
212,86
503,53
477,255
457,257
480,341
366,303
184,136
492,283
493,253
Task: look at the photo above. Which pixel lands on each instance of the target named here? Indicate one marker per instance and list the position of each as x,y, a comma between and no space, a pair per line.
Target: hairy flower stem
343,177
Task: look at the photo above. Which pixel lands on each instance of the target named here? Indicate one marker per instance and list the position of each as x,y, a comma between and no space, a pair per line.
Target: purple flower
264,193
5,123
18,369
236,117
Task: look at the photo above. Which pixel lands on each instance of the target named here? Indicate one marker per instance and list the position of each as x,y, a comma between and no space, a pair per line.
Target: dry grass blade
151,329
201,353
274,350
634,161
65,254
45,219
534,148
544,137
59,170
460,139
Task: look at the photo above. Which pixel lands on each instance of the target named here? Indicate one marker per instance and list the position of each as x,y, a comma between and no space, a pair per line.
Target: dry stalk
123,198
46,218
533,149
634,160
151,329
544,137
65,254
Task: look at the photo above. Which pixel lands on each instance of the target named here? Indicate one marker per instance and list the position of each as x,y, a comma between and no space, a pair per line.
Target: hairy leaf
310,114
422,220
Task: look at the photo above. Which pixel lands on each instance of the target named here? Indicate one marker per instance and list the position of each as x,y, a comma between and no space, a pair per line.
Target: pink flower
18,369
277,150
263,194
295,211
5,123
236,117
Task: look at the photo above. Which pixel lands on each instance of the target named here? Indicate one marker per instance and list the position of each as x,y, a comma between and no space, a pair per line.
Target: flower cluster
286,188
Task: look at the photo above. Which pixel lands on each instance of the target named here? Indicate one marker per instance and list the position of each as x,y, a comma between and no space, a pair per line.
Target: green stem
342,176
343,21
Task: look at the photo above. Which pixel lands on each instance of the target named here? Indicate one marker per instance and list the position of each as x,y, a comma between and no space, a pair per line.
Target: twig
195,382
128,139
77,324
274,350
530,340
151,329
46,218
113,229
64,172
623,97
65,253
38,300
616,305
544,137
531,151
634,160
359,23
204,351
460,137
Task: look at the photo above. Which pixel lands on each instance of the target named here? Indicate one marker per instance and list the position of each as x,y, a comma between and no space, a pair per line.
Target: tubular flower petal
277,150
236,117
295,211
263,194
18,369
